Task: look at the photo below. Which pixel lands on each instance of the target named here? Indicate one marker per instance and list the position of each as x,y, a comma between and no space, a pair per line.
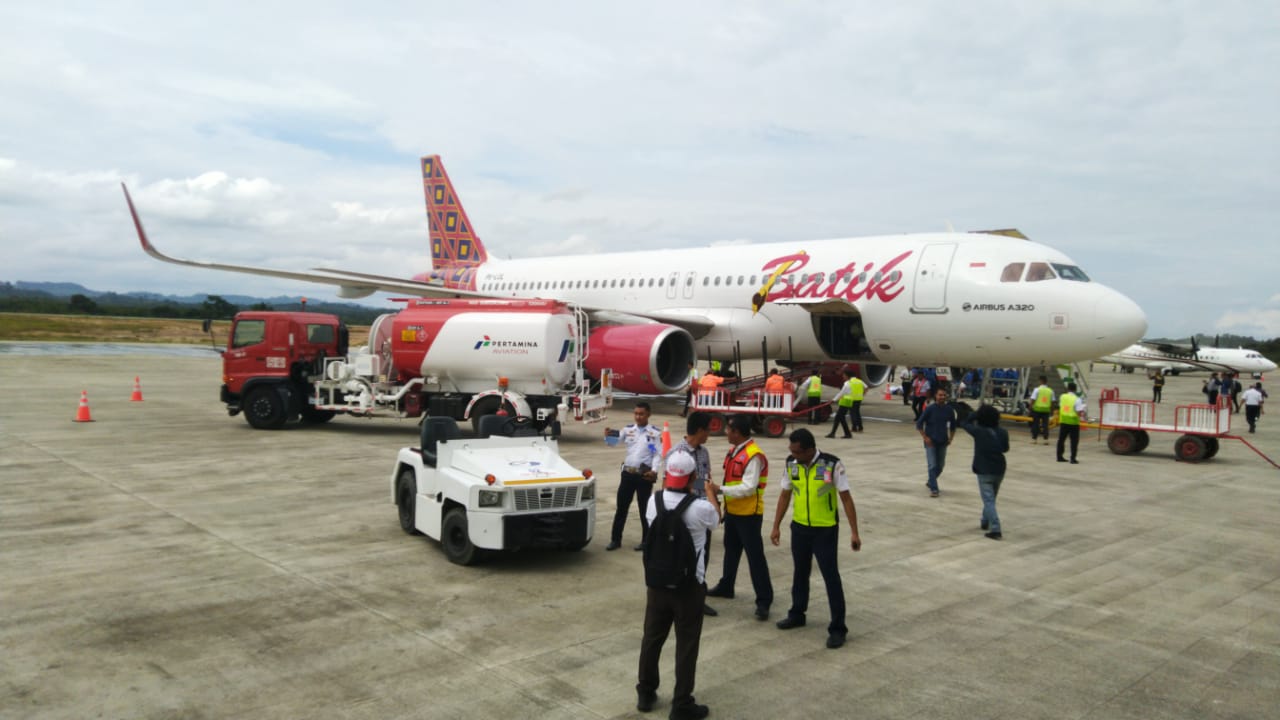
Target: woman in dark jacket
990,443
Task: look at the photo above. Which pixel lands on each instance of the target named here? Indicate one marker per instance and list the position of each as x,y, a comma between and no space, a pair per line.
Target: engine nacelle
648,359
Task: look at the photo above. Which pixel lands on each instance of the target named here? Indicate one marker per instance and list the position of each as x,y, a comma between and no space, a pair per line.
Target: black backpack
670,560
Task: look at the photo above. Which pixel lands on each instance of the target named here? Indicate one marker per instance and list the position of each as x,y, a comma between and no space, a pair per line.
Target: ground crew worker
1041,406
812,389
639,471
693,388
1070,408
857,389
815,478
844,403
746,473
775,383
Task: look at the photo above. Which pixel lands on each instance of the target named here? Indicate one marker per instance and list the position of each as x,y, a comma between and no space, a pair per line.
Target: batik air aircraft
948,298
1171,358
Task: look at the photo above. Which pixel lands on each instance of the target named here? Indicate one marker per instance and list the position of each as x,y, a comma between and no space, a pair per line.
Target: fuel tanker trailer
461,358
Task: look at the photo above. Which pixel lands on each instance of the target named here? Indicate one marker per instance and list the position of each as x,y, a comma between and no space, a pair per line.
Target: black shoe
709,611
762,614
1074,461
789,622
847,437
720,591
645,700
613,545
691,711
1062,459
835,640
830,435
995,535
985,525
639,547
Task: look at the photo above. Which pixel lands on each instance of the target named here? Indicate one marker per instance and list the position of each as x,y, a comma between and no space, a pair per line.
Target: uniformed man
1070,409
815,478
812,389
1041,405
639,471
746,473
844,404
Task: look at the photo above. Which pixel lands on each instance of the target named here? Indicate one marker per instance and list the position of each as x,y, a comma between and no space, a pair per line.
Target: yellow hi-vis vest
735,466
856,389
1067,409
813,491
815,385
1044,400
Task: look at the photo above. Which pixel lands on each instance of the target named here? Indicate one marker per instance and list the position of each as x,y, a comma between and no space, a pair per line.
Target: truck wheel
1142,439
1190,448
1211,447
716,426
774,426
316,417
406,500
1122,442
264,408
455,538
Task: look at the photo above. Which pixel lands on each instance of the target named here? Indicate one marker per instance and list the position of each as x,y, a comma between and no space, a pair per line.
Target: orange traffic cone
82,414
888,395
137,390
666,438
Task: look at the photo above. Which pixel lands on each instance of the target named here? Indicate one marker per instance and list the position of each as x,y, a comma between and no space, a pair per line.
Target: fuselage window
753,279
705,281
1012,272
862,277
1039,271
741,280
660,282
878,276
717,281
688,282
1070,272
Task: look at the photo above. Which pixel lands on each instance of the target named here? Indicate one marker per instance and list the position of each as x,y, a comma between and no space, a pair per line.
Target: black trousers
842,413
1068,431
742,534
917,404
1251,413
688,399
812,403
1039,424
855,416
664,608
808,543
631,484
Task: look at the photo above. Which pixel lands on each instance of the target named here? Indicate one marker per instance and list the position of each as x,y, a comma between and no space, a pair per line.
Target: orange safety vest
709,382
735,466
775,384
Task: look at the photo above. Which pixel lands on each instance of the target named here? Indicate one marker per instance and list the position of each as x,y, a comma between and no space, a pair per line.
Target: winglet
137,223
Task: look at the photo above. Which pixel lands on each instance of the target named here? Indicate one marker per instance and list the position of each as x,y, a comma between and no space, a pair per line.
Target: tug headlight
490,498
589,491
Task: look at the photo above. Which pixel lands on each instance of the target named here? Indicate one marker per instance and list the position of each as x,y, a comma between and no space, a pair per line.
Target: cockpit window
1012,272
1070,272
1039,271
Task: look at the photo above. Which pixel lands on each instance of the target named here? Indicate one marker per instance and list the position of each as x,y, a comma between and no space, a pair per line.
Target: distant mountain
64,289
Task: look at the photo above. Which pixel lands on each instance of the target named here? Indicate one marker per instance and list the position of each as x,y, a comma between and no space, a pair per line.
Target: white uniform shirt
1252,396
644,445
700,517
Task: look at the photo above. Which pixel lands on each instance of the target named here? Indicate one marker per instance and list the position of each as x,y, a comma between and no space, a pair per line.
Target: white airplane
966,299
1172,359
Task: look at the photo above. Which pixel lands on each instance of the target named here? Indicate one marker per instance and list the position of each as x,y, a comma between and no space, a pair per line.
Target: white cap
680,465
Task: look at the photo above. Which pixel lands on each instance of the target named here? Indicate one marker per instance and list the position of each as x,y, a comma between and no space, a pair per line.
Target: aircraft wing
1174,349
351,284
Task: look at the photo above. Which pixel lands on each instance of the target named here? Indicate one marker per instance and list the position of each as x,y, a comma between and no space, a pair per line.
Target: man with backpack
680,525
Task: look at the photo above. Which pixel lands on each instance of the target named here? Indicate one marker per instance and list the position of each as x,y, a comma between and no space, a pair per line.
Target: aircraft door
689,277
929,292
672,281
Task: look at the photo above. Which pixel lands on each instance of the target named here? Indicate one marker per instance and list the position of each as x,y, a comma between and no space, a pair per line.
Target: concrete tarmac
167,561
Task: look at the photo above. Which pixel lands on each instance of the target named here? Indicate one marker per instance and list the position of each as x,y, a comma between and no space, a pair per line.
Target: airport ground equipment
463,359
1200,427
769,411
506,490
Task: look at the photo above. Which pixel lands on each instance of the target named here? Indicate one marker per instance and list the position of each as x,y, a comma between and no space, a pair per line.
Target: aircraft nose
1119,322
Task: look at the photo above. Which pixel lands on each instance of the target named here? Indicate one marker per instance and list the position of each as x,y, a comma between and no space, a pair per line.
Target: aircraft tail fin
456,251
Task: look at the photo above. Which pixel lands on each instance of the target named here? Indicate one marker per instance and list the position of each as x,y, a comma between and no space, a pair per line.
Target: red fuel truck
455,358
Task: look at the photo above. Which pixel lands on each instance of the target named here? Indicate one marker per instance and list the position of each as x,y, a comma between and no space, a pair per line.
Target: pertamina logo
506,347
482,343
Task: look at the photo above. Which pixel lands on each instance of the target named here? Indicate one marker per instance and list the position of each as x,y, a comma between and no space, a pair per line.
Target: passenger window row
707,281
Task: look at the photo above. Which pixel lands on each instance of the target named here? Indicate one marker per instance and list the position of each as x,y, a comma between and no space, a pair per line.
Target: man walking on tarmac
815,478
845,405
1070,408
746,473
812,389
937,425
1041,406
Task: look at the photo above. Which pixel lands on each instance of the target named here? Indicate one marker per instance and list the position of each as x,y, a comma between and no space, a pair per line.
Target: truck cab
268,357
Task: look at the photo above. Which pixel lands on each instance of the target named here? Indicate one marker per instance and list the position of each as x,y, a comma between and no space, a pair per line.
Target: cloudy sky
1140,138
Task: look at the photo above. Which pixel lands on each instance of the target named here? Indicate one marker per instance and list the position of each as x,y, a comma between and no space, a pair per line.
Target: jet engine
647,359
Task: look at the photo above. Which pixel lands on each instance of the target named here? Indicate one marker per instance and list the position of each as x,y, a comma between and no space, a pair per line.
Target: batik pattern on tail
456,252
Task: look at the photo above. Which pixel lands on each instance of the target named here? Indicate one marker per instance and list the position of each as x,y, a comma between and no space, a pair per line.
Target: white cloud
1260,323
